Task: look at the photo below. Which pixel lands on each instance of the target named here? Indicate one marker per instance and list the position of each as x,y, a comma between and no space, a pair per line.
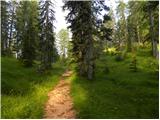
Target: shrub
121,55
112,51
118,58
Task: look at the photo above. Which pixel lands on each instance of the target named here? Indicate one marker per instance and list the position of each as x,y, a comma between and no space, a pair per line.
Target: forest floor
60,104
115,91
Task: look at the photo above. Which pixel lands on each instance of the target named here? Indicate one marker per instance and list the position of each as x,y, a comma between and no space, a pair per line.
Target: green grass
24,92
120,93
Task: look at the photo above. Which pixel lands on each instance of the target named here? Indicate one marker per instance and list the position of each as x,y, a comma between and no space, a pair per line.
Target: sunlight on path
59,104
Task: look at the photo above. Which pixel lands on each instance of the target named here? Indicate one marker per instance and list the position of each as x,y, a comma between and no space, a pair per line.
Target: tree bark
152,36
138,35
11,29
129,42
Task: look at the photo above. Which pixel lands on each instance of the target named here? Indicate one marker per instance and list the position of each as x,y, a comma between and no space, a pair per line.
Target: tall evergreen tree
47,39
145,26
122,25
26,28
137,28
151,7
4,27
11,24
84,24
80,19
63,40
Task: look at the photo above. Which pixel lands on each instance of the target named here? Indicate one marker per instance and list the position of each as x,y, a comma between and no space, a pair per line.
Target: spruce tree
47,47
27,33
122,25
83,20
11,24
4,27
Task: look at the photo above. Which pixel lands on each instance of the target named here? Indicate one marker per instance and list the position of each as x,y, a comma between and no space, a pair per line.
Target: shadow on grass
117,94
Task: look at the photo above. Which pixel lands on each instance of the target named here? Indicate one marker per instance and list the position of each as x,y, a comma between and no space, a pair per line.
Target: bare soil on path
59,104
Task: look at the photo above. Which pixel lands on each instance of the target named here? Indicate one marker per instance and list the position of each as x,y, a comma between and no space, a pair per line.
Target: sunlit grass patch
24,91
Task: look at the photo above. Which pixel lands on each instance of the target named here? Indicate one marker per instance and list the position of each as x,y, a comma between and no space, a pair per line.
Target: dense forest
109,57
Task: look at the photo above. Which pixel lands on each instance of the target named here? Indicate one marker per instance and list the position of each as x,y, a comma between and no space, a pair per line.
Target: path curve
60,104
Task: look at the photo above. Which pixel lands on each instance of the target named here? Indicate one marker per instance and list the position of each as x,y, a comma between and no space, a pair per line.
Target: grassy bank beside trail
116,91
24,91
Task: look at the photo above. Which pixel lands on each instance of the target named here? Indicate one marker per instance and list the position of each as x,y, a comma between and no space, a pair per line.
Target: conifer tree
27,34
84,24
11,24
48,51
4,27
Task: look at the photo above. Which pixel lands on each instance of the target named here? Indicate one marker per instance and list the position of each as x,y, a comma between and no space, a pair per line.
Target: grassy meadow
24,92
117,92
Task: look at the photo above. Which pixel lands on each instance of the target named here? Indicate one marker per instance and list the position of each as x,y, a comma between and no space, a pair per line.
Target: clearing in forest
59,104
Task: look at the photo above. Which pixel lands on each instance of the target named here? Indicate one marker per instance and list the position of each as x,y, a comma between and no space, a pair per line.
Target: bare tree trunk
90,63
90,58
153,40
11,30
129,43
138,35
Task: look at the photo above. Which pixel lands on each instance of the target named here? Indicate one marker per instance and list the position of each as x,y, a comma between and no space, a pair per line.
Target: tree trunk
11,31
152,36
138,35
129,43
90,62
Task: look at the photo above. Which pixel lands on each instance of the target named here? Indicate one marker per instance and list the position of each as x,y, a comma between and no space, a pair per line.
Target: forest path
59,104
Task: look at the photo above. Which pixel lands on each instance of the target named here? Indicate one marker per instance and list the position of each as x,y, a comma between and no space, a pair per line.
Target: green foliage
84,25
121,26
48,51
144,14
118,57
106,70
24,92
63,42
4,27
111,51
27,31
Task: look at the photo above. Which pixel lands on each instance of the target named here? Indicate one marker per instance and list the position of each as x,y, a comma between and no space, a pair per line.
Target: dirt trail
59,104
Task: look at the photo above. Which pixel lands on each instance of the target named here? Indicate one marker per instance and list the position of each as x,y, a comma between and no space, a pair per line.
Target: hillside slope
24,92
116,91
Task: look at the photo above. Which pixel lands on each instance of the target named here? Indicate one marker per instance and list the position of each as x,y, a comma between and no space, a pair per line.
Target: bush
112,51
118,58
121,55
